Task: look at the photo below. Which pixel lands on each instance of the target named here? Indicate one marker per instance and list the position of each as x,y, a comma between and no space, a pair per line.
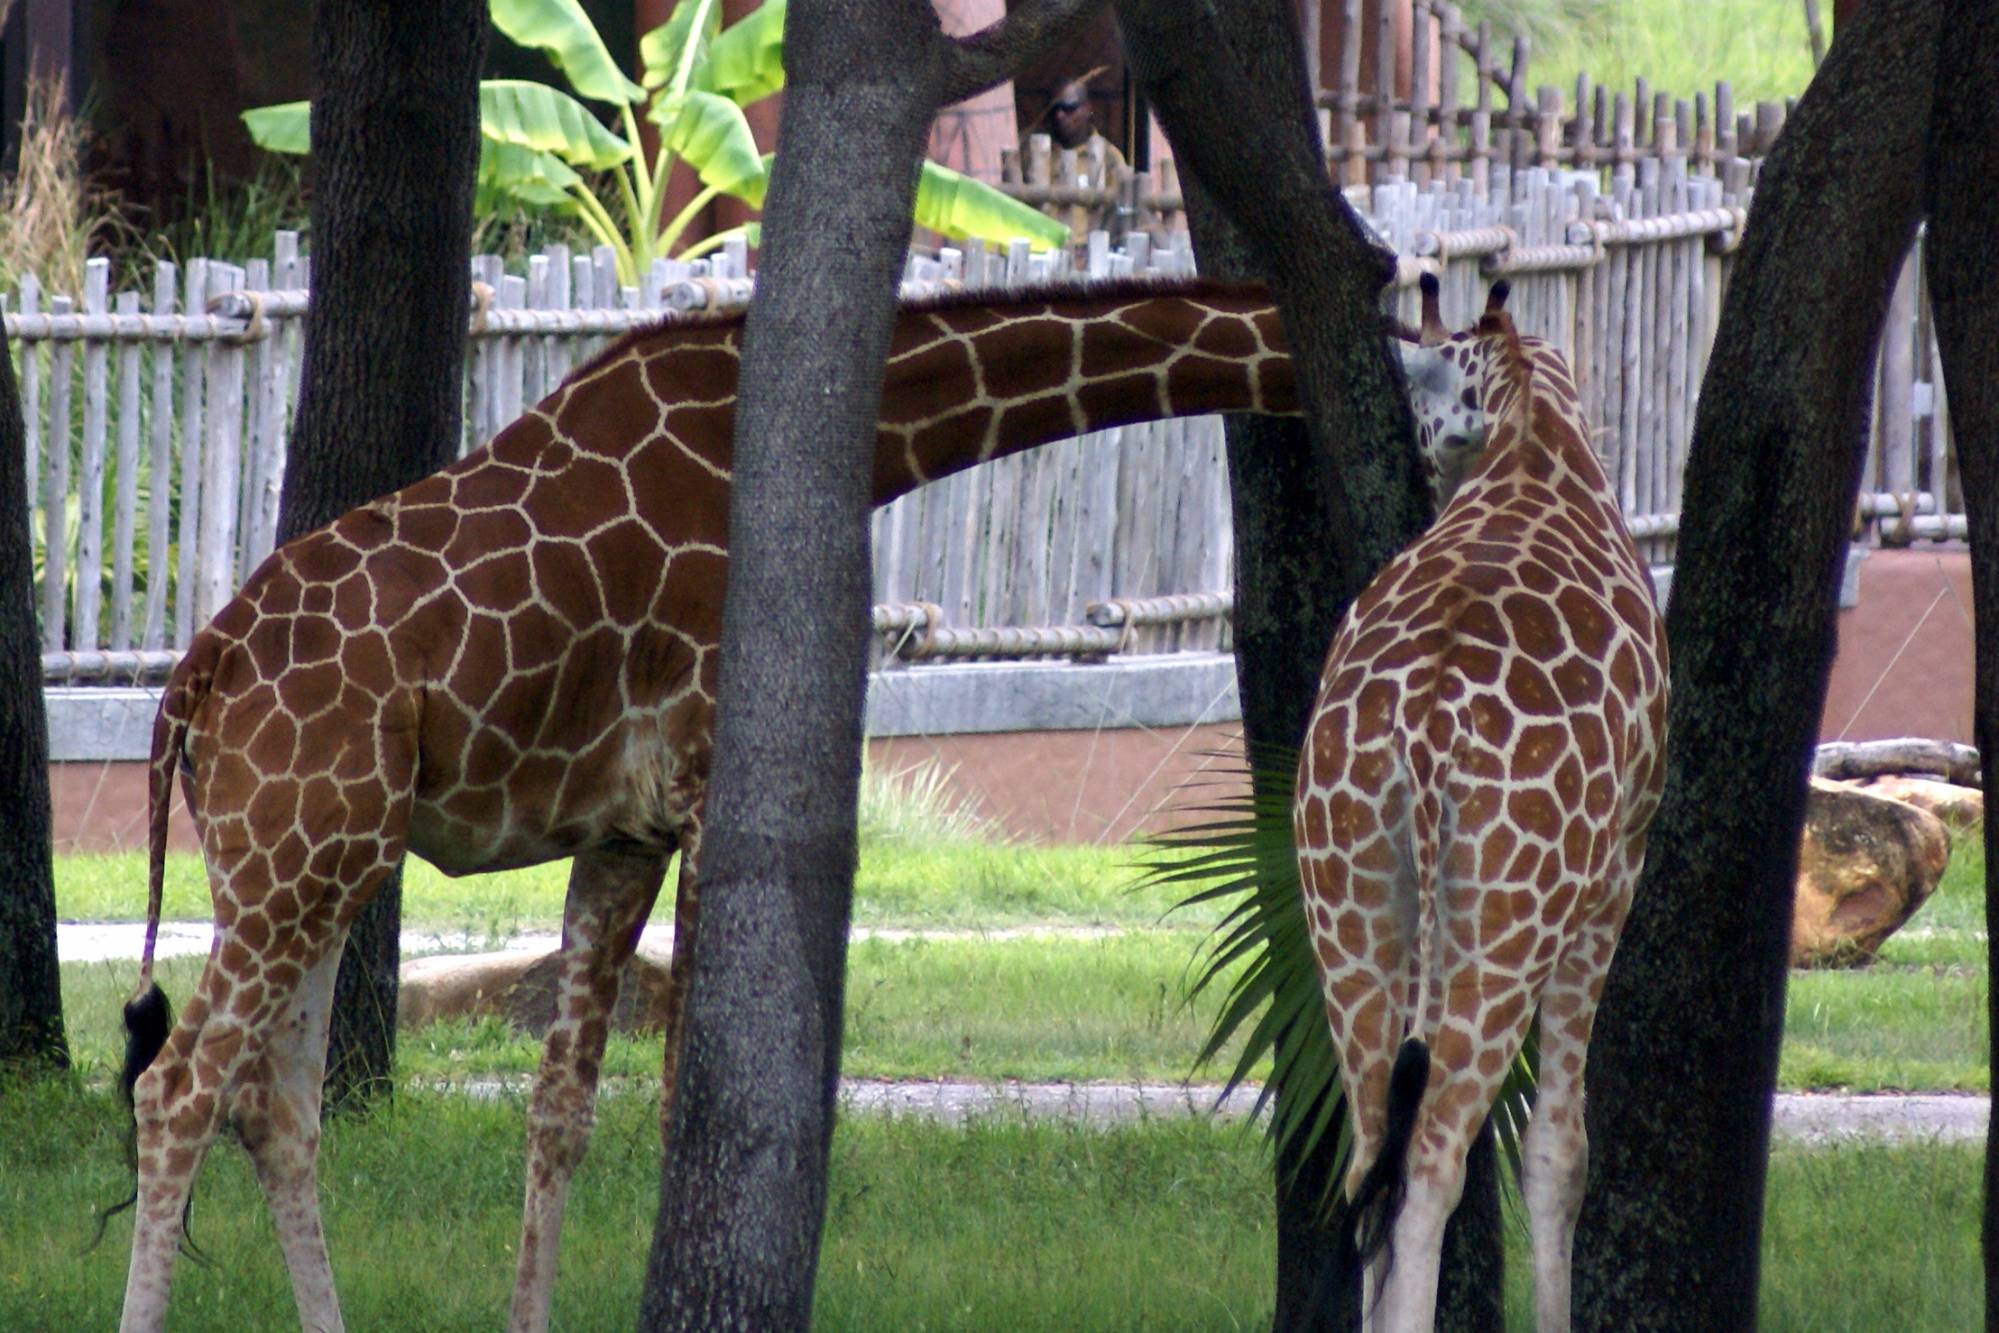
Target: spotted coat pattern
1472,803
514,661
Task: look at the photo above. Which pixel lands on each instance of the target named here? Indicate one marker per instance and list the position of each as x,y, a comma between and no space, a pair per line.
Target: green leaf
959,206
709,133
284,128
746,62
534,115
562,30
660,50
526,175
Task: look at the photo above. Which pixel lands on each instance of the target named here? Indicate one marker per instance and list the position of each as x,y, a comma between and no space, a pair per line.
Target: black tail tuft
1379,1198
148,1019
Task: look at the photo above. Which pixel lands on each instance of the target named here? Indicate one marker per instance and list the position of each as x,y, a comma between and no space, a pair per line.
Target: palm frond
1241,853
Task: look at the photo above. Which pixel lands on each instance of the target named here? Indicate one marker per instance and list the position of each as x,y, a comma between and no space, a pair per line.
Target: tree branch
976,62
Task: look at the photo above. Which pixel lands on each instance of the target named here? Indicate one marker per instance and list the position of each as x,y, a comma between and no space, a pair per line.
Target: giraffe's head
1446,375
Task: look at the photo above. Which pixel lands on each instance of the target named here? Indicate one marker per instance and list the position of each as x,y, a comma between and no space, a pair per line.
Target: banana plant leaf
661,50
710,134
1242,856
534,115
526,175
959,206
746,61
283,128
565,33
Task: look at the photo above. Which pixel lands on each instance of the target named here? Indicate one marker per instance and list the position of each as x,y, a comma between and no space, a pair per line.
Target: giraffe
1480,772
513,661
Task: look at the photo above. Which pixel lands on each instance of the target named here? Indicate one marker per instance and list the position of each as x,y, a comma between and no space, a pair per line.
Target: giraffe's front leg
610,896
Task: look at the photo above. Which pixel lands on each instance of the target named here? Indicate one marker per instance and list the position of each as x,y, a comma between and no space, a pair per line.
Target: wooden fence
157,421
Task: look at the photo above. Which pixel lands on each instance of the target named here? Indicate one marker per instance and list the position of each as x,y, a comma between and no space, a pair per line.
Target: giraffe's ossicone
514,661
1481,769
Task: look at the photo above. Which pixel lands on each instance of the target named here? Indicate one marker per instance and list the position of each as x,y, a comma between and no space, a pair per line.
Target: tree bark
1685,1058
1962,258
1292,582
742,1192
395,133
31,1028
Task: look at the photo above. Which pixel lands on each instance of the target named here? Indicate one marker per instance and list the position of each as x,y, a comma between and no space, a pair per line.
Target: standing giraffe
514,661
1481,769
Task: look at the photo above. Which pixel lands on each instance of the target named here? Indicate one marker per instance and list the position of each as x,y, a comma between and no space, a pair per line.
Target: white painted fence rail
157,420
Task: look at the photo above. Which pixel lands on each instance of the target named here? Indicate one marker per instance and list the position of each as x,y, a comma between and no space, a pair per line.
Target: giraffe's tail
149,1018
1377,1201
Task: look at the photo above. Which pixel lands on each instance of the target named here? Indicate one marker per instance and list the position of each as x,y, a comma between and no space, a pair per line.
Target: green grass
1759,46
1001,1224
946,884
1057,1007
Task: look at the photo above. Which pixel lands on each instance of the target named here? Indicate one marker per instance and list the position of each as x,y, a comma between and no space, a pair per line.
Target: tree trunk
1962,257
30,986
742,1195
1685,1058
743,1185
395,133
1293,584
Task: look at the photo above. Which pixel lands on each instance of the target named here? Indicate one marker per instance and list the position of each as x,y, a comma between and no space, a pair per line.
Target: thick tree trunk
1962,257
1685,1060
1292,587
30,986
742,1192
395,133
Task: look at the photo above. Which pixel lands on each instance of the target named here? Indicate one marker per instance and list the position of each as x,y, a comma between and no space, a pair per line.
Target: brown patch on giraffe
1537,751
1569,782
1530,691
929,380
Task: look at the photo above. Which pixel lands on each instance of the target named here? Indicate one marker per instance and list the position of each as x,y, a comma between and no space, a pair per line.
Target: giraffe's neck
969,382
1536,428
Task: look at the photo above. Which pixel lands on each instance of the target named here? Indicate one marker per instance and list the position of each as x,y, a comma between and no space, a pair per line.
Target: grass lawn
1761,46
1003,1224
1105,1007
943,883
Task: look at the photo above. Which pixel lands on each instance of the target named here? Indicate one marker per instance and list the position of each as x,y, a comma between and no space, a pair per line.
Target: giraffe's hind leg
610,896
1554,1156
276,1114
179,1102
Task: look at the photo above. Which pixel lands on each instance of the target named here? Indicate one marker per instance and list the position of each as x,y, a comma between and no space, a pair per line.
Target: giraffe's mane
997,298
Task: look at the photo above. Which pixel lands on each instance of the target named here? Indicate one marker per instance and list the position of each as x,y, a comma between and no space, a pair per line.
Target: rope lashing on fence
1472,243
904,619
1172,609
916,630
129,667
225,322
482,306
1017,641
1722,227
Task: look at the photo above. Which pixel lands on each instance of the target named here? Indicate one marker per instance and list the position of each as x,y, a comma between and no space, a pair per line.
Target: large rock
1865,865
1959,807
520,988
